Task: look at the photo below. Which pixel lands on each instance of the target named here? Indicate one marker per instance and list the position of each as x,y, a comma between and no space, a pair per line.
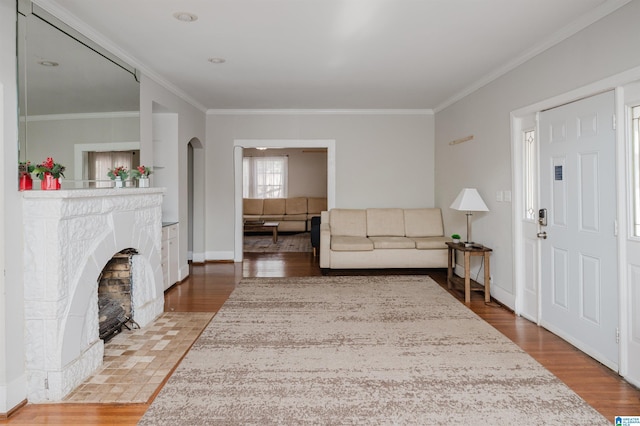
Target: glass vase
26,183
143,182
49,183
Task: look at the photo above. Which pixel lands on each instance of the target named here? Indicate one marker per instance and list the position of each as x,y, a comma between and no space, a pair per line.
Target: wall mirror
75,98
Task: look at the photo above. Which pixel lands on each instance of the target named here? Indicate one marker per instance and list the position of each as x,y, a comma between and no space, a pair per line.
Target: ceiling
328,54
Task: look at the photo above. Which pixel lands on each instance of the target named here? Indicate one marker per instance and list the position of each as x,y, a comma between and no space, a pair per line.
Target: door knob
542,235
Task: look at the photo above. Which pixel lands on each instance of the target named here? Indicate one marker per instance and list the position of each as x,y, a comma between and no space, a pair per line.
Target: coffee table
263,227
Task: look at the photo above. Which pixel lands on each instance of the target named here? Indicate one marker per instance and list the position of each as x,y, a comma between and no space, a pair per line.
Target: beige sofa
294,214
382,238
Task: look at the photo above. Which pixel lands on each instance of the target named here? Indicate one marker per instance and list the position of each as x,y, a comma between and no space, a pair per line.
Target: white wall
382,160
154,98
165,153
605,48
12,376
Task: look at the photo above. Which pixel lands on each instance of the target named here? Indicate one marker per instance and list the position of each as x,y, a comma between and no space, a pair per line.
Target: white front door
579,279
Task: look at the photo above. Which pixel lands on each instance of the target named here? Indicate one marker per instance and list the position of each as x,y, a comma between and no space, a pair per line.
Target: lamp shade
469,200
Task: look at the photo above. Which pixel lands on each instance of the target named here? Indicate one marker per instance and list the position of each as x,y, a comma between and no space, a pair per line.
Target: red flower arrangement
56,170
25,168
141,171
24,173
120,172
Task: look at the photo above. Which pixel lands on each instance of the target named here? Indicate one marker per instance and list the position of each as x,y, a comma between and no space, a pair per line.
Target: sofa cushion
296,205
271,217
348,222
252,206
385,223
431,243
423,222
393,243
350,243
273,206
315,205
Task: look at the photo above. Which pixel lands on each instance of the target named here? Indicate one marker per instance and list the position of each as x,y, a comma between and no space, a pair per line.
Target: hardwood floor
209,286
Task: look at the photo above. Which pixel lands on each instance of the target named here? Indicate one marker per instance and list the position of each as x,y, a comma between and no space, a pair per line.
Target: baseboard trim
5,416
198,257
219,255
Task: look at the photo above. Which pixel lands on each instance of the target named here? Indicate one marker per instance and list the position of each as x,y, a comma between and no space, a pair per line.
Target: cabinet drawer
172,231
165,250
169,231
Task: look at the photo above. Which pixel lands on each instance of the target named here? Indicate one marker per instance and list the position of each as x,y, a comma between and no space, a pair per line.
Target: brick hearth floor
136,362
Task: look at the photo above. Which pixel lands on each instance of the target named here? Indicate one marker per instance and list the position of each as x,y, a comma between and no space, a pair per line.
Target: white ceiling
328,54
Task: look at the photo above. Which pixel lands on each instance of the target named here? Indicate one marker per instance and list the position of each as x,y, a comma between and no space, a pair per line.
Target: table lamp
469,200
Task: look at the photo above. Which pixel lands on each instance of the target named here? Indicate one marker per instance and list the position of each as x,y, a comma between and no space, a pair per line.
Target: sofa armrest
325,245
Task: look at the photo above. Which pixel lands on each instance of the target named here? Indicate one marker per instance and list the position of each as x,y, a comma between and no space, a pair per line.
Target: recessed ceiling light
185,16
217,60
48,63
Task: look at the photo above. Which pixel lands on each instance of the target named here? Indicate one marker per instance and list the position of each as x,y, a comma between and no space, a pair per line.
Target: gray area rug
259,243
359,350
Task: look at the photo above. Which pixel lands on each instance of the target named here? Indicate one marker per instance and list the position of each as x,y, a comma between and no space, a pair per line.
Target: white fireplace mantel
69,236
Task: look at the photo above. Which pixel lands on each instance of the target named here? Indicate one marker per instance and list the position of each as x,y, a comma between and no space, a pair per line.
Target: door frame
238,148
517,116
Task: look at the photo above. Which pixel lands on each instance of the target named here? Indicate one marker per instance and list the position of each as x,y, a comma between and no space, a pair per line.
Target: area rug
136,362
359,350
297,243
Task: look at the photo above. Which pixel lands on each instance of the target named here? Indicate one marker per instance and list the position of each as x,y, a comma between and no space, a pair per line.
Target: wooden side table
468,252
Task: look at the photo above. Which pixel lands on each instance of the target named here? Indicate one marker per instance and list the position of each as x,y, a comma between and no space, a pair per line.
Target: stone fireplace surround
69,236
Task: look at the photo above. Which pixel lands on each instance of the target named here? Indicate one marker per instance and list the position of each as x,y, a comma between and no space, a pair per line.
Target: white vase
143,182
119,182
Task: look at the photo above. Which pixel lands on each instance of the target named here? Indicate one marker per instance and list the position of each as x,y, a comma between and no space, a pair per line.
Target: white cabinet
170,254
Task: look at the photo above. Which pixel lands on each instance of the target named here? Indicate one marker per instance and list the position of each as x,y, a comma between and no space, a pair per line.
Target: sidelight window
529,140
635,171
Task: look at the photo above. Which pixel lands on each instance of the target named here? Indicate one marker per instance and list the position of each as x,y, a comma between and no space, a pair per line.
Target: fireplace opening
115,309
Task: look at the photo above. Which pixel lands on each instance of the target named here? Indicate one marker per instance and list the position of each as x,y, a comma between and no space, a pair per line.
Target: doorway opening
251,146
283,189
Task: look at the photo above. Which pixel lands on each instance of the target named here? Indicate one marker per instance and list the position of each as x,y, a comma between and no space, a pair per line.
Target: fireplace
114,295
69,238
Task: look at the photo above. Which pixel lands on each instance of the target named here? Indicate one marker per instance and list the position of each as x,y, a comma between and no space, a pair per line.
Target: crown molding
84,116
579,24
320,112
